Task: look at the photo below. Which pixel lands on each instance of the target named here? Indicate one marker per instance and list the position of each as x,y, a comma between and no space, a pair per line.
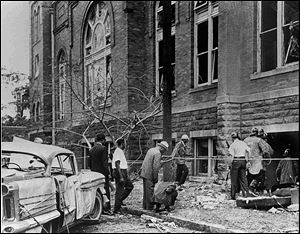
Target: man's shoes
122,204
107,212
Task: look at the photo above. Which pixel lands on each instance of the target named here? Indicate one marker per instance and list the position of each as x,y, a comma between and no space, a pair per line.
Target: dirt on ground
209,202
127,223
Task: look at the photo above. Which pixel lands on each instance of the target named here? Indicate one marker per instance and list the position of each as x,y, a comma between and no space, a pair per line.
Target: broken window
97,44
291,31
38,111
62,85
200,4
206,44
33,112
279,34
205,150
36,66
159,45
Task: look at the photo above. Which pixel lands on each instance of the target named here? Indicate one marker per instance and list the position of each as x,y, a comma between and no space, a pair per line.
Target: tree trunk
168,174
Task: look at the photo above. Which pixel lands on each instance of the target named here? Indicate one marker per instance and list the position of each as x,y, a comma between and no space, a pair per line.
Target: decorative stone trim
258,96
159,136
204,133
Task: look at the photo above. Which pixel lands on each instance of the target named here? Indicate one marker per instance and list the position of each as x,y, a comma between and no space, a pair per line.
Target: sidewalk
205,207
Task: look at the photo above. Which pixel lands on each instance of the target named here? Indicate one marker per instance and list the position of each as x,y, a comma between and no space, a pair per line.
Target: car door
68,186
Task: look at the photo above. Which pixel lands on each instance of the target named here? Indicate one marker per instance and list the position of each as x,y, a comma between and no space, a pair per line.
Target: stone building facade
236,66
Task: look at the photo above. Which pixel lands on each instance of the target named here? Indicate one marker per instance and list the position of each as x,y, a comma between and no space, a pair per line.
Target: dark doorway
279,142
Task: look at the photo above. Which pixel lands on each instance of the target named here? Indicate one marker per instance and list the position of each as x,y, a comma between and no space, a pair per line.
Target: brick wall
133,65
270,111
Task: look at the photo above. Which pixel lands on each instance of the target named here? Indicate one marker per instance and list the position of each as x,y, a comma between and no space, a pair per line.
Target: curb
199,226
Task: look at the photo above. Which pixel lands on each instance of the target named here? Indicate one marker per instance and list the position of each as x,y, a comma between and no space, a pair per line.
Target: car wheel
47,227
98,207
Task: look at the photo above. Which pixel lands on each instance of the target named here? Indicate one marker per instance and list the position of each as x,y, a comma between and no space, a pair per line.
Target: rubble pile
164,227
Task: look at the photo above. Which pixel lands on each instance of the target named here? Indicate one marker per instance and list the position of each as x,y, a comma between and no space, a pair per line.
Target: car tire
98,207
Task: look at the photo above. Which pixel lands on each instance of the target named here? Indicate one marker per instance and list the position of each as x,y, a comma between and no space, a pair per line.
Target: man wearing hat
150,168
38,140
99,163
239,152
179,153
258,150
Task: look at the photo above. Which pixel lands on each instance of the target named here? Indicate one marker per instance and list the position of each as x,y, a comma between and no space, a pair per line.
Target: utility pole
53,79
167,77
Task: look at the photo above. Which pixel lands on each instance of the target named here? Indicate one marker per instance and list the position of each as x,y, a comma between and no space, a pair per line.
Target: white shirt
119,156
238,148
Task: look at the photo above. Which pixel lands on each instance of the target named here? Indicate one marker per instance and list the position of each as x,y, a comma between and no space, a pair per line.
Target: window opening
206,43
279,34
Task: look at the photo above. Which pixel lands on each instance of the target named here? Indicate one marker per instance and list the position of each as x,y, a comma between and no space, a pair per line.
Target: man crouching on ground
165,194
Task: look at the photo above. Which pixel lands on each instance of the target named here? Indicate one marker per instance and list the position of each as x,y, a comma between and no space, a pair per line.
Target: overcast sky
15,35
14,47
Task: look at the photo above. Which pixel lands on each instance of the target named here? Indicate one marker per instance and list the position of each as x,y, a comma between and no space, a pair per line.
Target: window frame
279,37
159,38
62,64
204,13
36,65
210,156
96,55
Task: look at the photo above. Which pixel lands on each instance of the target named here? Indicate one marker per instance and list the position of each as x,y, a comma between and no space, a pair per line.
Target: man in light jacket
150,168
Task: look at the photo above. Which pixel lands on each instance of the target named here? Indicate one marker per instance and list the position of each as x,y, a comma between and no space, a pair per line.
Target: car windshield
22,162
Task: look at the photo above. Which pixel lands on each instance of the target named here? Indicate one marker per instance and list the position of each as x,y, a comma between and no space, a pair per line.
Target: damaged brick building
235,63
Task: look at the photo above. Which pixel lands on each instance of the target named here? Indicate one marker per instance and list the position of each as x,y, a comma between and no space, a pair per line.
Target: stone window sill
286,69
202,88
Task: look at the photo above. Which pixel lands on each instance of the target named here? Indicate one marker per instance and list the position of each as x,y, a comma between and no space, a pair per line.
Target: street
126,224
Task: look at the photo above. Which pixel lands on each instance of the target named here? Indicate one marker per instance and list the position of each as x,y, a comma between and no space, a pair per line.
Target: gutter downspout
53,79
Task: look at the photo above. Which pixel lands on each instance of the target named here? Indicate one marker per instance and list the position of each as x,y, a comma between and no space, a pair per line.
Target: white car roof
45,152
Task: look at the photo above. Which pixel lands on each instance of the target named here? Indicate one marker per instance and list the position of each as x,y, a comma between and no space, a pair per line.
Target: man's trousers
123,189
148,199
182,172
238,177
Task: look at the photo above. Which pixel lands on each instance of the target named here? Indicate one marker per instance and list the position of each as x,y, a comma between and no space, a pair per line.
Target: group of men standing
165,192
248,163
99,162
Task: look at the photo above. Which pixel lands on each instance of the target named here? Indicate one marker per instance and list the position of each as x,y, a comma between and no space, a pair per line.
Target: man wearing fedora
150,168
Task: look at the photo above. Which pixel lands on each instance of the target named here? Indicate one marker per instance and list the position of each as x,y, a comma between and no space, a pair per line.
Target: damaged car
43,190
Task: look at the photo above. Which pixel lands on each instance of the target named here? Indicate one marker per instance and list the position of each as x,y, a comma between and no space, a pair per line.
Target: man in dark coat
99,163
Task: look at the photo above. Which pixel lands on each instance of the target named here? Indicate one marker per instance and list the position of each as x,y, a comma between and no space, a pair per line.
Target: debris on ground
161,225
225,212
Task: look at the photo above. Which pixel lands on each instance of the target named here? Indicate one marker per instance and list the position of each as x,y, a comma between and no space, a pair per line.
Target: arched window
38,111
62,85
97,54
36,23
159,46
36,66
34,113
